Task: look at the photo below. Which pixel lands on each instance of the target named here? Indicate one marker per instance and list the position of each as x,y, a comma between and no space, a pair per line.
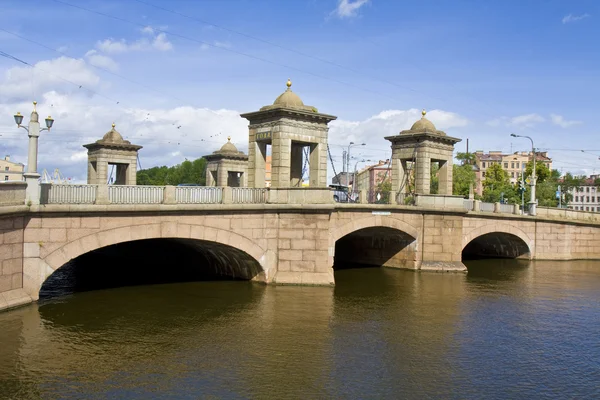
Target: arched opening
150,261
375,247
496,245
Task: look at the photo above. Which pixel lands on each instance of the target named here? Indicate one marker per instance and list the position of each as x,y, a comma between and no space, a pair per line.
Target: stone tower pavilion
227,167
289,127
112,149
418,147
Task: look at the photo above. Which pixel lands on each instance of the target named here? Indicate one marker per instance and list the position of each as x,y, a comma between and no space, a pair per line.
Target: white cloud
21,82
101,61
562,122
157,42
527,120
349,8
574,18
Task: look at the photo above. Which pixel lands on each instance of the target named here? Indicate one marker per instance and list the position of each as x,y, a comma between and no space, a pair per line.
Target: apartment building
512,163
11,171
586,197
371,177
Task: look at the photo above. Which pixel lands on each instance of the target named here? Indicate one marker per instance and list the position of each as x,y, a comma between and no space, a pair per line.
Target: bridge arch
374,241
37,274
498,240
374,221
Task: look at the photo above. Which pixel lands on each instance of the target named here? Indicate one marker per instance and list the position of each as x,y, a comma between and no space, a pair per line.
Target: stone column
280,158
398,171
102,174
210,179
121,175
445,177
257,156
423,174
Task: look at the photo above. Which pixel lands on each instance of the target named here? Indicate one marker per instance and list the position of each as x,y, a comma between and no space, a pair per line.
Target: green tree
434,182
542,172
385,189
466,158
463,177
186,172
497,186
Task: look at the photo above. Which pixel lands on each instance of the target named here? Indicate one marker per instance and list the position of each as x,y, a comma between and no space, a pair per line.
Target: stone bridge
281,243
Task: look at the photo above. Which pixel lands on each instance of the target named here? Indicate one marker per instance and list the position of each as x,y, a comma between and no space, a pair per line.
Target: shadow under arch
496,245
150,261
375,246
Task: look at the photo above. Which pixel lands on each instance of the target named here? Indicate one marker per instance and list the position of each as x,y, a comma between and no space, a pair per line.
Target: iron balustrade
68,194
118,194
198,195
249,195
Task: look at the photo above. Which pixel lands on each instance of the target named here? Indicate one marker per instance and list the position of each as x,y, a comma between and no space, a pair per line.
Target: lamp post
32,193
354,184
348,157
532,201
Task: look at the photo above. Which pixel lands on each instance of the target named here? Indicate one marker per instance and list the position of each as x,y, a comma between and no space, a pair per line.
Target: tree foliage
466,158
497,186
463,177
187,172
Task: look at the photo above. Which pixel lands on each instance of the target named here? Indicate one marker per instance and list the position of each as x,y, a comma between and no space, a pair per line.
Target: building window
6,168
576,198
587,199
505,165
512,174
483,174
587,189
483,164
5,177
587,209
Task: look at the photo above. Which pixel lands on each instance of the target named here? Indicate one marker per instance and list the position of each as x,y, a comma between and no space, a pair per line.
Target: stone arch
382,240
497,228
169,230
372,222
513,241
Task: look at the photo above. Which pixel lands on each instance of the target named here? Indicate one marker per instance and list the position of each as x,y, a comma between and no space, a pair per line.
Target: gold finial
423,113
113,125
229,138
34,104
289,83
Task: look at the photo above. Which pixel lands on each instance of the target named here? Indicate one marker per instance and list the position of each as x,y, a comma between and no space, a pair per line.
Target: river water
506,330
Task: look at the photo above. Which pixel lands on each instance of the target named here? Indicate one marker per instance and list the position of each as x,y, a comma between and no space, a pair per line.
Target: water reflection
508,329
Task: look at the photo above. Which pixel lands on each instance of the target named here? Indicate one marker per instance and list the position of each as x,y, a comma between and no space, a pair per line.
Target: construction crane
56,178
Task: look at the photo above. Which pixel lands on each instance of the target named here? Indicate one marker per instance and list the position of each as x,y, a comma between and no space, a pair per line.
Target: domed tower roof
422,126
228,147
112,136
289,98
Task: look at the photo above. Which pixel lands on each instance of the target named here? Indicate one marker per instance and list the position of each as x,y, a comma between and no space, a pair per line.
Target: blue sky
484,69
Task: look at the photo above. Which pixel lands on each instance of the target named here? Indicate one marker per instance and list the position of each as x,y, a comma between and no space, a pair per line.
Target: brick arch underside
502,240
375,241
174,230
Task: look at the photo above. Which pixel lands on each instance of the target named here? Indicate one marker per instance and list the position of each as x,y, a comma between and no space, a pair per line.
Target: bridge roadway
282,243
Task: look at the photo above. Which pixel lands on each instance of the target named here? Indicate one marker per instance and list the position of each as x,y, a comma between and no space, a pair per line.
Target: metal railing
135,194
379,196
249,195
198,195
486,207
68,194
469,204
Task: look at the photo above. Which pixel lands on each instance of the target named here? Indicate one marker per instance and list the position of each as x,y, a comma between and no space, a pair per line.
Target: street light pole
348,158
32,192
532,201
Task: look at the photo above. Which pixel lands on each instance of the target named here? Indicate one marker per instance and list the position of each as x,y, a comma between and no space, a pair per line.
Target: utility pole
532,201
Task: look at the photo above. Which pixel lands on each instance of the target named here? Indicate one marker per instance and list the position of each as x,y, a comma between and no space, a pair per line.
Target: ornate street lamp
532,201
33,131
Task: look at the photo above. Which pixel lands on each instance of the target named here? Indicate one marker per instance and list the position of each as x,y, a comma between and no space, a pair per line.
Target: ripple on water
504,330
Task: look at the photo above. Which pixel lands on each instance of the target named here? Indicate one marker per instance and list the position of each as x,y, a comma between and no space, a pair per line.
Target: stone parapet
12,193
